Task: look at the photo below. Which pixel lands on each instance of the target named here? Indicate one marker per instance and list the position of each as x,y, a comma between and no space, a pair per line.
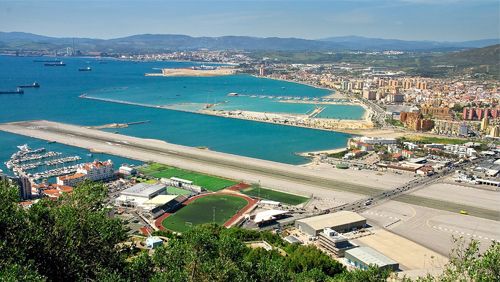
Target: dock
316,111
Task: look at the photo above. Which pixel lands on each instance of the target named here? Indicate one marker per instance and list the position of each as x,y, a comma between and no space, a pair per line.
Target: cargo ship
17,91
33,85
55,64
85,69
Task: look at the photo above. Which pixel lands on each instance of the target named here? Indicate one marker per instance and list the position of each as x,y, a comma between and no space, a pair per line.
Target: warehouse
149,199
144,190
342,221
363,257
140,194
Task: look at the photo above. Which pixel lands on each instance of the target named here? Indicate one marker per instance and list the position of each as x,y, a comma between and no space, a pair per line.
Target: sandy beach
194,72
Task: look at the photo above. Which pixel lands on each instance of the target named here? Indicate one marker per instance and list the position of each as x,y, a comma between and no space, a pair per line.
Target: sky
439,20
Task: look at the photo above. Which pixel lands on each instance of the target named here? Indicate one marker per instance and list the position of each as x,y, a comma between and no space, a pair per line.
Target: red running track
250,203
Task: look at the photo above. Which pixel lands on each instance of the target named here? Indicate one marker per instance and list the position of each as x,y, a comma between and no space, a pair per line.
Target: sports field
202,210
272,195
211,183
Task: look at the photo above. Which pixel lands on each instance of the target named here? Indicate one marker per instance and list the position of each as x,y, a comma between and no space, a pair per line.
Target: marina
292,98
24,161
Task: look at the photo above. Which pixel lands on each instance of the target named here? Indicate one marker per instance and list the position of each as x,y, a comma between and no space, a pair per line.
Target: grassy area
211,183
429,140
338,155
201,211
274,195
394,122
177,191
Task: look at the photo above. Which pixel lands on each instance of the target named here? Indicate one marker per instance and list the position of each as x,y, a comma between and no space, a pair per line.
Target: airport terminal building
363,257
342,221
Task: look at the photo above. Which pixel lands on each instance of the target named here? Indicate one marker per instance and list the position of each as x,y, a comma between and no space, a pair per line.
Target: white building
182,183
150,199
97,170
127,170
94,171
378,141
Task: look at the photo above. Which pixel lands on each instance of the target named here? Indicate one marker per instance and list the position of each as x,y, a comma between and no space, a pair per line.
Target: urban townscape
277,155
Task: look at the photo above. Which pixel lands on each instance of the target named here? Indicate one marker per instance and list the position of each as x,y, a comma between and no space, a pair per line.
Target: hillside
480,61
481,56
353,42
147,43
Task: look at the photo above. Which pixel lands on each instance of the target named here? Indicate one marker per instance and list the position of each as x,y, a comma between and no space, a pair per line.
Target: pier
305,99
315,112
27,159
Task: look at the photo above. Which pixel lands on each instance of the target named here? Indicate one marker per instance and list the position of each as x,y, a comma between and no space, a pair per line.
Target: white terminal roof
160,200
143,190
332,219
369,256
268,215
181,180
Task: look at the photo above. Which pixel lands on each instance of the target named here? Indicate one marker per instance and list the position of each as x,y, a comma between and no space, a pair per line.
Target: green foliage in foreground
73,239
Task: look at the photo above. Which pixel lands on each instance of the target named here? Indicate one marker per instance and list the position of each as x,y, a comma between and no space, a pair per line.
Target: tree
305,258
69,239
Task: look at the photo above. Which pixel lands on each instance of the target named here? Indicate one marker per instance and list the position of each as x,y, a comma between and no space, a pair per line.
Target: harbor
305,99
40,164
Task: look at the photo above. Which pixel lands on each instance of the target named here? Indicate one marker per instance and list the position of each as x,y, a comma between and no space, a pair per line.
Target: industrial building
334,243
267,216
144,190
149,199
182,183
342,221
153,242
364,257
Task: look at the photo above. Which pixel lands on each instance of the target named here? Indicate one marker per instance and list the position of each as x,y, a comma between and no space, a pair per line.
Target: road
402,194
207,161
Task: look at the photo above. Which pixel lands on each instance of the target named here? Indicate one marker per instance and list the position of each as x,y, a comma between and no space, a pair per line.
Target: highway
402,194
226,165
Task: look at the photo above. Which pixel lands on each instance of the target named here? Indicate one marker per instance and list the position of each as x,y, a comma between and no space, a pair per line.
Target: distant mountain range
144,43
365,43
480,56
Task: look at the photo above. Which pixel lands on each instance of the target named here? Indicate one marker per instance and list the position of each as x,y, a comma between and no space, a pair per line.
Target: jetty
316,111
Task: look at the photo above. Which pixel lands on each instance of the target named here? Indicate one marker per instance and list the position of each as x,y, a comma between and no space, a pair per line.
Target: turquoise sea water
57,100
192,93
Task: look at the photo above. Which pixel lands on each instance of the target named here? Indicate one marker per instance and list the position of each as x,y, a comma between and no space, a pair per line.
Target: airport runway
271,174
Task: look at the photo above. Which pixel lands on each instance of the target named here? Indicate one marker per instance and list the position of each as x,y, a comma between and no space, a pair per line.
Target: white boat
24,147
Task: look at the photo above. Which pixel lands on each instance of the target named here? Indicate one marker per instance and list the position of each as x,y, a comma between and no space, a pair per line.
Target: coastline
210,113
188,72
224,115
334,94
332,91
351,127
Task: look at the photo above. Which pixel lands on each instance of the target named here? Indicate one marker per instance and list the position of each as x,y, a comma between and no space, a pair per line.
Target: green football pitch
273,195
211,183
208,209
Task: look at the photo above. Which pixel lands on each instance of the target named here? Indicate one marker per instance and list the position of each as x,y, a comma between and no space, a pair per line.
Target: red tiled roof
71,176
